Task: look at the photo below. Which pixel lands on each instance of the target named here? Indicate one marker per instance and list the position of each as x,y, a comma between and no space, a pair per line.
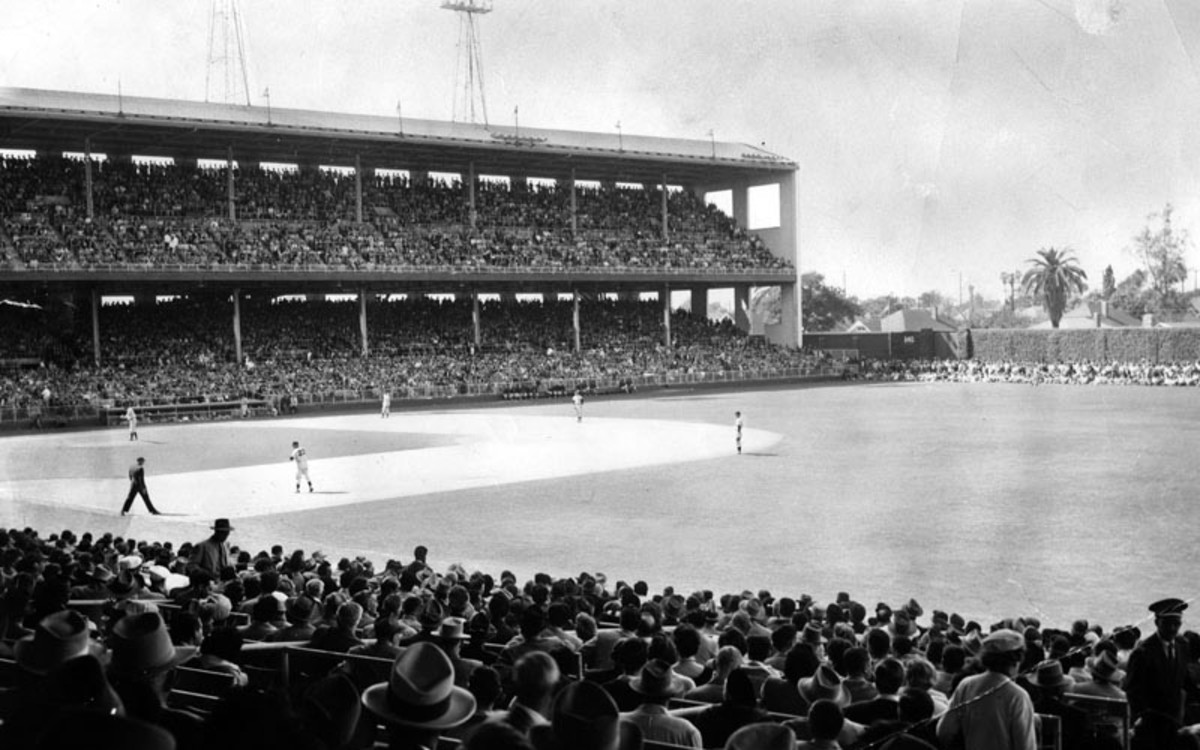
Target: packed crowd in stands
157,215
113,641
1034,373
183,351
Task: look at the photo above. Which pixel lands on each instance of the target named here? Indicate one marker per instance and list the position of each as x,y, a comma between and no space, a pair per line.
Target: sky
937,141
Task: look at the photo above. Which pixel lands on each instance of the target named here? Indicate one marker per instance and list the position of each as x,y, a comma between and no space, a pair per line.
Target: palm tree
1053,277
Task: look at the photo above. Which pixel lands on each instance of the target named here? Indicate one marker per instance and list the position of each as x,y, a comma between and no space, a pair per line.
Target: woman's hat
420,691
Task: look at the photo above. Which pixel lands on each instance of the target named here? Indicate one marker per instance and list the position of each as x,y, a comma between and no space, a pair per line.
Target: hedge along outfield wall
1093,344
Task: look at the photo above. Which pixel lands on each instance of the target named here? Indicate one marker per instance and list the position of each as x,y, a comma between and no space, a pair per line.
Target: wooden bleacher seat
197,702
1104,712
203,681
1049,732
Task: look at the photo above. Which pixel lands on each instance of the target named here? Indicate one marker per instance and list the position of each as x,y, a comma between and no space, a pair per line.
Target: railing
37,415
417,270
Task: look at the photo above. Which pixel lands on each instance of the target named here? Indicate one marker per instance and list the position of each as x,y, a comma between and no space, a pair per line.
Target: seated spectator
728,659
657,684
450,636
343,635
420,699
1051,684
630,656
143,660
825,723
739,708
762,737
299,628
913,730
535,676
782,694
889,678
219,653
266,620
484,685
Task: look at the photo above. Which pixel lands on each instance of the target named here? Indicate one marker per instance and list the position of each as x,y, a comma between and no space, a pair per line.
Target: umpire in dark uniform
1157,681
137,486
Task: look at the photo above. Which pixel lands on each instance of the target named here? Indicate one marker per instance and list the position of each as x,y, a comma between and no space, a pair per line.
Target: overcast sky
933,138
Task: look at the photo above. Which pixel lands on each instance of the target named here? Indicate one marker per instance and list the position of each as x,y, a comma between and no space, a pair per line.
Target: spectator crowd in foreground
97,632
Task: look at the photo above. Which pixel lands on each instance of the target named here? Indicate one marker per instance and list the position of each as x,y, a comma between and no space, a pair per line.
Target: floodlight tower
468,70
227,55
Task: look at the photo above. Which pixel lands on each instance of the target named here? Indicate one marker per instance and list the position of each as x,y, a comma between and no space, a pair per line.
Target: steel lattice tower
468,72
227,55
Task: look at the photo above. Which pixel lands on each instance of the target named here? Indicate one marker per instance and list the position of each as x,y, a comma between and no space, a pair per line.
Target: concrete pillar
741,307
471,194
784,243
358,212
96,326
741,204
418,177
237,325
665,294
627,296
232,194
574,206
700,301
87,183
476,319
666,230
362,319
508,297
575,320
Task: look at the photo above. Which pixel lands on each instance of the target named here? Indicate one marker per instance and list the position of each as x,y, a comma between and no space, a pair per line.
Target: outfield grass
989,500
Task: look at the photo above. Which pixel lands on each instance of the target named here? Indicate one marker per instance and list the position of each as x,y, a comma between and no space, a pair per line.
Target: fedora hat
813,634
585,716
1103,668
1050,675
656,680
57,638
221,524
140,645
1003,641
452,629
420,691
81,683
825,684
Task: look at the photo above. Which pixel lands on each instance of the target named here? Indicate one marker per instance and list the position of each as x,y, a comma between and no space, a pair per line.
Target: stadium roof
60,121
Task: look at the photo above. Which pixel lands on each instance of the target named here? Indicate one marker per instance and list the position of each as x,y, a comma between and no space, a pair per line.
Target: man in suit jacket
1157,678
889,678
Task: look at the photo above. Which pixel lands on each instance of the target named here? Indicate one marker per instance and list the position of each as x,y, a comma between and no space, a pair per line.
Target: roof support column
574,207
575,320
358,188
666,232
96,326
700,302
232,198
741,307
87,180
476,321
471,193
237,325
665,293
362,318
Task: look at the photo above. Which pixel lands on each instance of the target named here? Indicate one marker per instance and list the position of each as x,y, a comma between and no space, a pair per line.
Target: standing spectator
213,553
990,711
1158,678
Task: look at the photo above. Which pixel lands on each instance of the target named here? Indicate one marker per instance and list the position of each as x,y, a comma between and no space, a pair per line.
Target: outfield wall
1021,345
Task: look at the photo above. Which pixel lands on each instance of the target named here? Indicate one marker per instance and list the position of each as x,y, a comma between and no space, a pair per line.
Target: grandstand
68,216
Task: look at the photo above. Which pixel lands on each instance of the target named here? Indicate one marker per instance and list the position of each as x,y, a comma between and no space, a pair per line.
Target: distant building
1097,314
914,320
